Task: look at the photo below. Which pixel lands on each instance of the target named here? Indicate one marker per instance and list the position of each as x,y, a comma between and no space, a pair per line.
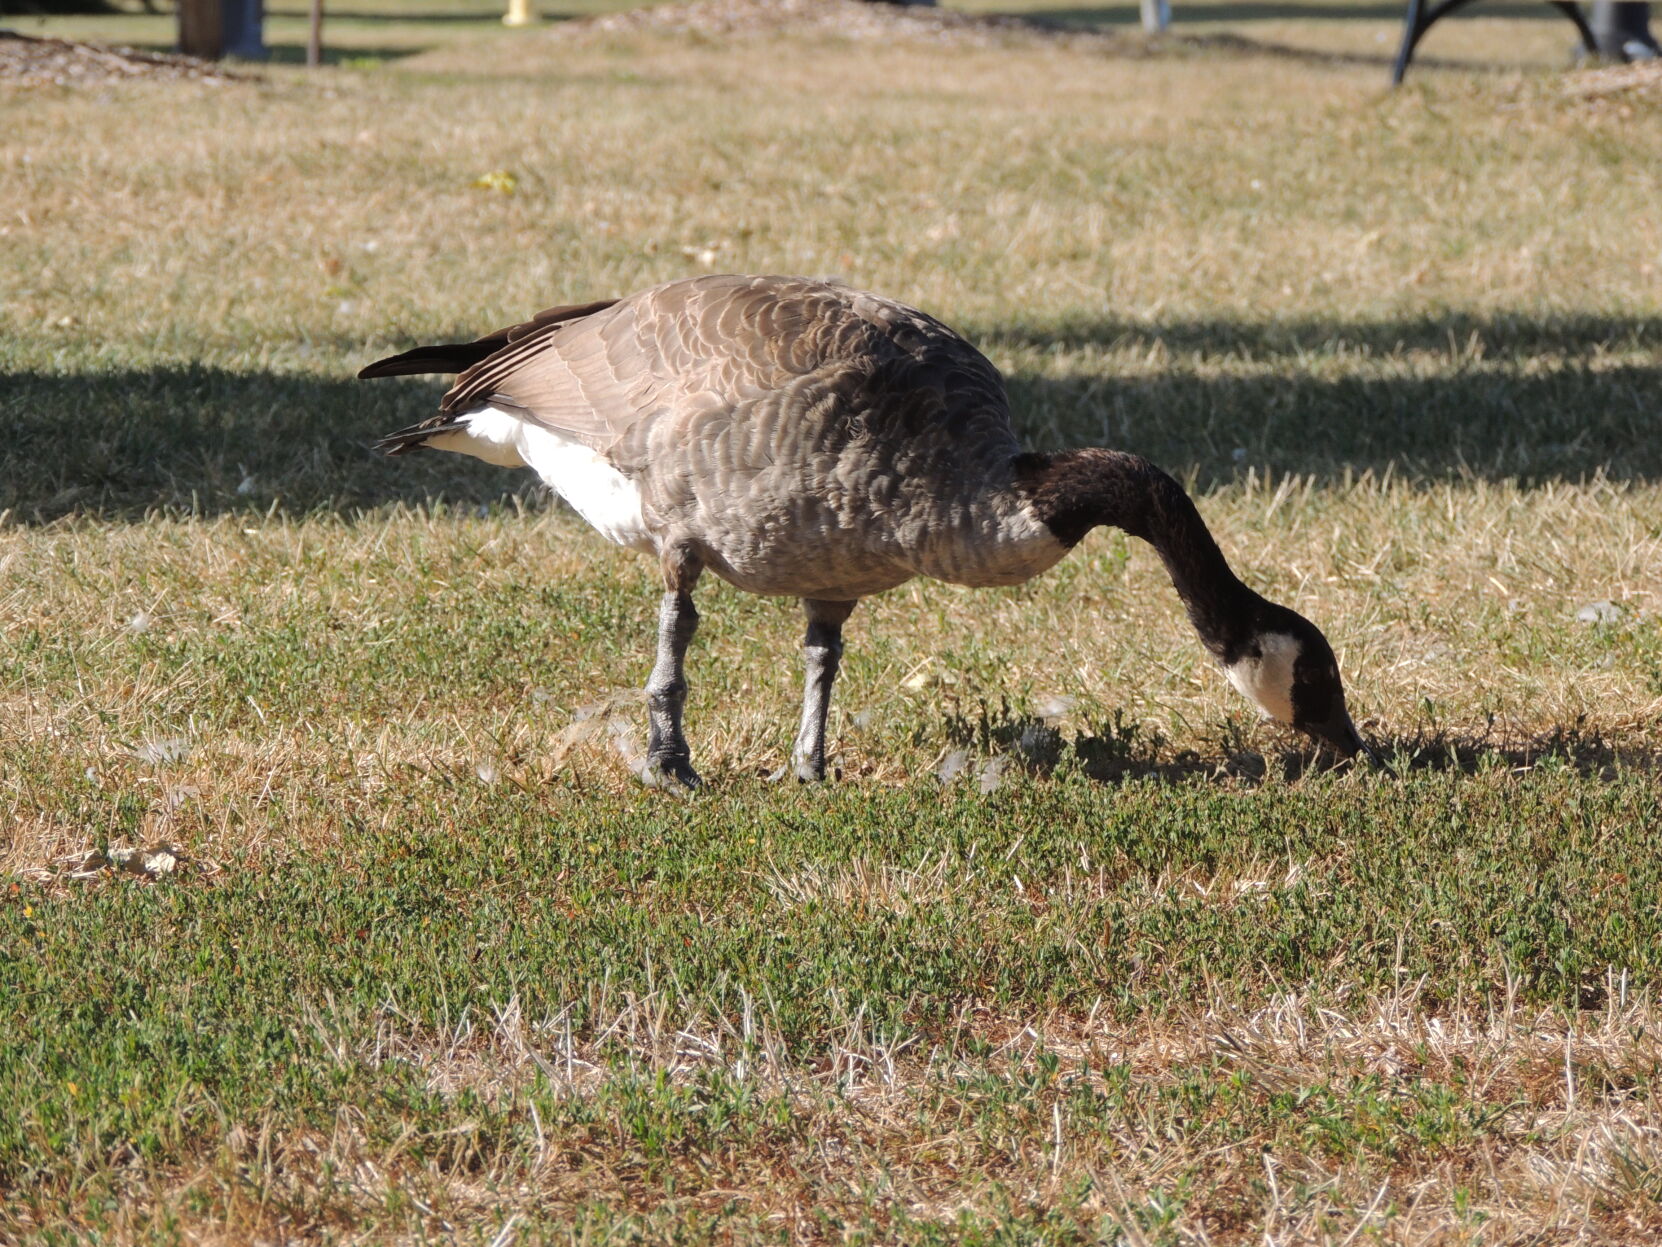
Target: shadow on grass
1434,399
1508,338
1439,398
1247,47
1131,14
412,17
1122,39
350,57
1577,747
277,53
206,441
985,745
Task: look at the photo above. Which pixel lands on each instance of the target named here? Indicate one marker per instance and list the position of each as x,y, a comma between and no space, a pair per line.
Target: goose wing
699,344
770,351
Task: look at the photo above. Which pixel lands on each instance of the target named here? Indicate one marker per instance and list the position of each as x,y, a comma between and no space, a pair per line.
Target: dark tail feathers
453,357
406,440
450,357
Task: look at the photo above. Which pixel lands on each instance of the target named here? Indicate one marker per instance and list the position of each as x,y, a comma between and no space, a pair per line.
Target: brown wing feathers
599,378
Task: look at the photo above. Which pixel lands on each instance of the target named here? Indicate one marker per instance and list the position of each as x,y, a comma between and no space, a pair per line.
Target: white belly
593,488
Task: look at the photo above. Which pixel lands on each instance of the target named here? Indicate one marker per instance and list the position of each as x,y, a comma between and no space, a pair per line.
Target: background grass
433,967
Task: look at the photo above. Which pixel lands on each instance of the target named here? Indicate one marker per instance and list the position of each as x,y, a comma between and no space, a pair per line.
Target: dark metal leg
668,760
822,651
1420,19
1412,28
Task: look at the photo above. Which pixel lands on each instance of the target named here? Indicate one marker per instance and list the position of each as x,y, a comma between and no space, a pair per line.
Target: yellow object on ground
520,13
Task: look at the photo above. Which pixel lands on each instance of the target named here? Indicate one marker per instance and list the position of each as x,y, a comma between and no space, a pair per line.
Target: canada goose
805,439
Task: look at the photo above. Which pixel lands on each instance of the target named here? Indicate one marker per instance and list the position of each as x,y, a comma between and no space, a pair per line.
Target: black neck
1075,491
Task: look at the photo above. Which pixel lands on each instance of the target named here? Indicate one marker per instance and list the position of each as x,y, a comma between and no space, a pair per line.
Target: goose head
1286,668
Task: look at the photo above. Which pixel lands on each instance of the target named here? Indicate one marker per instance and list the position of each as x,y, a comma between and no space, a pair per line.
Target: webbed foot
672,774
804,772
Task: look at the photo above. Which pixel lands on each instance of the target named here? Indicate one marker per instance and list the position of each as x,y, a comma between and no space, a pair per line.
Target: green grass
748,939
1074,949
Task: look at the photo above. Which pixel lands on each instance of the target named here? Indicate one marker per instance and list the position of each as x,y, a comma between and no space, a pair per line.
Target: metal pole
244,24
1156,15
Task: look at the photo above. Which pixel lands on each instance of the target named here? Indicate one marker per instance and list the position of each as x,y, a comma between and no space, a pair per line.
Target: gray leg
822,651
668,760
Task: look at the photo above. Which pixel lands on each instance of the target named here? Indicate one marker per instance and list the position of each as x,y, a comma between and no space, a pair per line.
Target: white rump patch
1267,681
597,491
489,433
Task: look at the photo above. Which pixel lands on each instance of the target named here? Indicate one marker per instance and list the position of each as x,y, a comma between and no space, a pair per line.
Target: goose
801,438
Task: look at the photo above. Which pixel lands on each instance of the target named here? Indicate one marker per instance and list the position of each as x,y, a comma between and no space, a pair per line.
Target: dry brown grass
1561,1143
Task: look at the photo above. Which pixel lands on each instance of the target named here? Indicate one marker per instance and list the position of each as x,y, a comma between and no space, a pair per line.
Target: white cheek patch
597,491
1267,681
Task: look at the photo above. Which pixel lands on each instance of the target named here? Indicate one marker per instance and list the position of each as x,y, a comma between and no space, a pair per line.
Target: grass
875,1013
433,967
361,37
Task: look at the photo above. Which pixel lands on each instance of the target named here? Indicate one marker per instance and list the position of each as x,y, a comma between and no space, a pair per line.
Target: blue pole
244,28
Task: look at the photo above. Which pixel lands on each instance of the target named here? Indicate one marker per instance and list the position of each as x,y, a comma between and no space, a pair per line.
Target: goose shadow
1440,398
1111,750
124,444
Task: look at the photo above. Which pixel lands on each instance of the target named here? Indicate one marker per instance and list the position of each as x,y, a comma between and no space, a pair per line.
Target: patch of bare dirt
28,60
1642,80
849,19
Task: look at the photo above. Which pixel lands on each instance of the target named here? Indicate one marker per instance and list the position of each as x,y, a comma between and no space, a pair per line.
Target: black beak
1340,735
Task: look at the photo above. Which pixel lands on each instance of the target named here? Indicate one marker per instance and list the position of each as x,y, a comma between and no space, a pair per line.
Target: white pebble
1598,613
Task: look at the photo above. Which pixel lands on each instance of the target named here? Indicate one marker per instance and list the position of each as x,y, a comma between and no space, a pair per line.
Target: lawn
1074,949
